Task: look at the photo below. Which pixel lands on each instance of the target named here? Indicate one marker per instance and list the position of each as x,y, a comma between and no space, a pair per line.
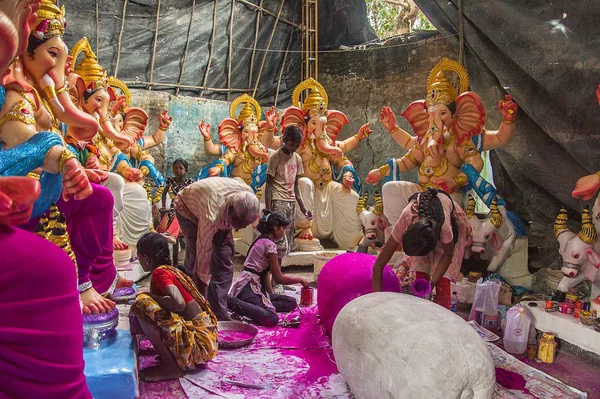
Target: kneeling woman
250,295
174,315
433,231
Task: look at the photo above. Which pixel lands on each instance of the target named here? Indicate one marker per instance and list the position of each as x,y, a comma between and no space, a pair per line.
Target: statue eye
486,236
575,256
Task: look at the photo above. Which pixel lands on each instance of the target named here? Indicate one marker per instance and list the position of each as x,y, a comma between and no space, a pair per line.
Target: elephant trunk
121,140
82,126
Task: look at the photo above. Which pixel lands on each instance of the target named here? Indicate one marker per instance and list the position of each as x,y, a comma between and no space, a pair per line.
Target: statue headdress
588,232
560,225
250,114
51,21
89,69
439,89
316,102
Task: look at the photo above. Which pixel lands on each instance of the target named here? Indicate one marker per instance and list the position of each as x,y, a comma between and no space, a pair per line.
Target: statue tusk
49,89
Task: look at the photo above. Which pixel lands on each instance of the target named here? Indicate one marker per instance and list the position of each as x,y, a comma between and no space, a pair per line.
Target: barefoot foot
160,373
94,303
119,245
124,283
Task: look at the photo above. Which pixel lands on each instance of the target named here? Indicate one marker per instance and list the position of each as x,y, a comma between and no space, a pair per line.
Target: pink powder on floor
233,336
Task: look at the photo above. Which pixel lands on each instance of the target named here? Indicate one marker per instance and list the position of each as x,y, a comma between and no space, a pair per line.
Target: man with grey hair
207,210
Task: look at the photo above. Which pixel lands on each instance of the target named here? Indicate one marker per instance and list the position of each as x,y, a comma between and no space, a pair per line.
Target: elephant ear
230,135
336,120
416,115
136,120
15,78
469,118
76,89
262,126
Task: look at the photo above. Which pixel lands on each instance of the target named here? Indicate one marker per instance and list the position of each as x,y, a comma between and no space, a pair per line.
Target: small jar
571,298
547,348
586,317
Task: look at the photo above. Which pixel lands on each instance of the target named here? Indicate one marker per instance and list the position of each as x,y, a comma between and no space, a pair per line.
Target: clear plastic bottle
453,302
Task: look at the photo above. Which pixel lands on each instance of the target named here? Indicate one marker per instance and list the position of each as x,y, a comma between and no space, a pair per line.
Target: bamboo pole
262,64
120,38
283,67
257,25
138,83
230,47
212,45
154,47
97,29
265,11
461,34
187,45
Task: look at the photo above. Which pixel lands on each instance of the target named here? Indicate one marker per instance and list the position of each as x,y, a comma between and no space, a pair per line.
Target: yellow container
547,348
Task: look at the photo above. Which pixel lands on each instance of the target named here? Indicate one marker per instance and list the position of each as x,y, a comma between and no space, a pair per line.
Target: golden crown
439,89
317,101
90,71
119,84
250,113
50,22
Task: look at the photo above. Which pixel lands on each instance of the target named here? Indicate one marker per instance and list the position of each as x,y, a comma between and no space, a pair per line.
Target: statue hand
447,184
204,129
374,176
348,180
271,118
164,120
17,196
132,174
364,131
96,175
92,162
508,108
586,187
388,118
75,181
214,171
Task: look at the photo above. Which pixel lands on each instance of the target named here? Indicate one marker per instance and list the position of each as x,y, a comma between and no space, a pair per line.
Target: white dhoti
334,212
115,184
136,217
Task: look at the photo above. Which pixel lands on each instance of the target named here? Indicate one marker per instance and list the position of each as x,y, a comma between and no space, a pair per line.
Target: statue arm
403,138
351,143
210,148
157,137
493,139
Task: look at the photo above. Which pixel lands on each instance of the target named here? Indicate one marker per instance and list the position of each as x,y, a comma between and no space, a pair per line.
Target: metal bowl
239,327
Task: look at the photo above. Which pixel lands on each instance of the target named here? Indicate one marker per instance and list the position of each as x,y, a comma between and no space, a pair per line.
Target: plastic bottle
516,333
453,302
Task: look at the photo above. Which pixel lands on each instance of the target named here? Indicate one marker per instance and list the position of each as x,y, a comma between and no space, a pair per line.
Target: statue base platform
514,269
565,327
111,370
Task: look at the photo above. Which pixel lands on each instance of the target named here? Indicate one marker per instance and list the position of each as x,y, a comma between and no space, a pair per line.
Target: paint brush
242,384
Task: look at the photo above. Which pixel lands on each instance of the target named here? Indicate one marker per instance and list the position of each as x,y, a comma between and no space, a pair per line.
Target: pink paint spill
233,336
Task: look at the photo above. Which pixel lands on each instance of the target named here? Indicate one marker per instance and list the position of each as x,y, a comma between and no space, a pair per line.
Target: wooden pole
461,34
97,29
262,64
138,83
283,67
261,9
187,45
230,47
257,25
212,45
120,38
154,47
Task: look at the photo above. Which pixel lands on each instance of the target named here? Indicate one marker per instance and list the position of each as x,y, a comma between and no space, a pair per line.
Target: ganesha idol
450,135
90,90
36,100
329,185
241,154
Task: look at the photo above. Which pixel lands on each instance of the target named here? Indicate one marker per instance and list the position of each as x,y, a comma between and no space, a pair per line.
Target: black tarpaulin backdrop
547,56
342,22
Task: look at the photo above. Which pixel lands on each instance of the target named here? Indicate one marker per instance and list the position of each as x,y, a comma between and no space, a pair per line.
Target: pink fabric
428,263
41,331
90,227
346,277
258,257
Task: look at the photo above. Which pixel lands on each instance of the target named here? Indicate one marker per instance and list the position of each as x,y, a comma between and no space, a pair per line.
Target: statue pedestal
514,269
111,370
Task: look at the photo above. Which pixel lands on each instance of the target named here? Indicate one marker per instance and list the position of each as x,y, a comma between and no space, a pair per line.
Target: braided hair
270,221
422,236
156,247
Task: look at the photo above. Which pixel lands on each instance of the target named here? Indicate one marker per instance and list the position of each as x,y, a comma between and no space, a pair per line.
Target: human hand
587,187
164,120
75,181
96,175
304,283
204,129
508,109
17,196
132,174
388,118
92,162
373,177
364,131
271,118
